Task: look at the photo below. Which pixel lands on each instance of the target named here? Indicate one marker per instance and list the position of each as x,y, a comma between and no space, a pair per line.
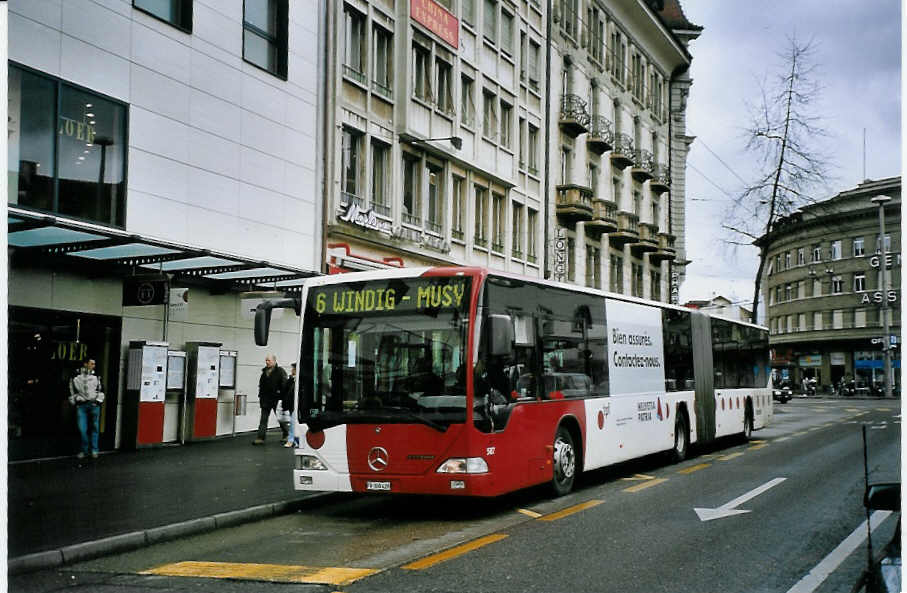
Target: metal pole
886,345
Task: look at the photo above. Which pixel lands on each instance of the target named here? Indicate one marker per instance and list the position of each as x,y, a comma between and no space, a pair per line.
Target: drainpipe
327,115
677,72
547,201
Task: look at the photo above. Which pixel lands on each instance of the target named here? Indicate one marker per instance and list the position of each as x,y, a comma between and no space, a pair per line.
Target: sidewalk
64,510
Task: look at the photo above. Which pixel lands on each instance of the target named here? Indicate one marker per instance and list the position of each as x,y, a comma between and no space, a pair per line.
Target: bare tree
783,136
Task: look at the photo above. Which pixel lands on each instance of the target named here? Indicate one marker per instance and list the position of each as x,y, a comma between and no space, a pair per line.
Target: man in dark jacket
271,386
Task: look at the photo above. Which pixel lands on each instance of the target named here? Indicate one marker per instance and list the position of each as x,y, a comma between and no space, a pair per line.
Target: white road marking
817,575
728,510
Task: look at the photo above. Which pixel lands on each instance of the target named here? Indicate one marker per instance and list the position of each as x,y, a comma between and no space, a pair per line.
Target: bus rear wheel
681,439
564,462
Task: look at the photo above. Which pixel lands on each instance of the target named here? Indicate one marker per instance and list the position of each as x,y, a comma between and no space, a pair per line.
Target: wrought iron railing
623,144
643,159
574,107
600,127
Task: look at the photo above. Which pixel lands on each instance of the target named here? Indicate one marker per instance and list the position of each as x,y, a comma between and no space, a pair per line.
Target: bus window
678,347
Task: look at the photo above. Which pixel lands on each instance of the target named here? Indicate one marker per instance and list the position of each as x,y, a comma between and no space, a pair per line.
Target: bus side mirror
262,325
501,337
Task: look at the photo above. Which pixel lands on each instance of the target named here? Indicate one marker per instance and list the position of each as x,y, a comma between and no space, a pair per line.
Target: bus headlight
463,465
309,462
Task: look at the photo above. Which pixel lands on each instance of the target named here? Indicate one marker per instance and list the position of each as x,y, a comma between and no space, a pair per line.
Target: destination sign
402,295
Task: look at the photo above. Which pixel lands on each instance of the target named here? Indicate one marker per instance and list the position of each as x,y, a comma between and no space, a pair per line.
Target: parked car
782,394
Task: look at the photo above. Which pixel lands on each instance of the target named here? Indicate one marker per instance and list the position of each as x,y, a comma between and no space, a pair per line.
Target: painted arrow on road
729,509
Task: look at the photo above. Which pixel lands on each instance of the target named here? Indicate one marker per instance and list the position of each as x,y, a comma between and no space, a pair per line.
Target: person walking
271,384
287,407
86,395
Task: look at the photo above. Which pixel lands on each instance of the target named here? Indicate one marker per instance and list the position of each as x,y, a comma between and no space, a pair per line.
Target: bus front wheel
564,462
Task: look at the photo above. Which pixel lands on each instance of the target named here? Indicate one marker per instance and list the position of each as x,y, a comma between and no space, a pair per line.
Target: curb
126,542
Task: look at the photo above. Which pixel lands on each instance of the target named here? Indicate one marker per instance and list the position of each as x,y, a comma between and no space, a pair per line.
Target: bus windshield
385,351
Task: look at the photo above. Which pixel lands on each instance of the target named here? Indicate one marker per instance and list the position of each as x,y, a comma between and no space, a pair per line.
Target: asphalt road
633,527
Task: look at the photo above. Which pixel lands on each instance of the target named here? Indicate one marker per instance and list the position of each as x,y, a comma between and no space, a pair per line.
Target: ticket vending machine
146,388
201,389
175,405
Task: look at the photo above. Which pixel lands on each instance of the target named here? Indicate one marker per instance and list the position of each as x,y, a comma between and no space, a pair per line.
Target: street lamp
886,346
456,141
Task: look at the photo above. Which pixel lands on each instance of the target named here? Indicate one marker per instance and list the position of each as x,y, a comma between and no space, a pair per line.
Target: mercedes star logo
377,459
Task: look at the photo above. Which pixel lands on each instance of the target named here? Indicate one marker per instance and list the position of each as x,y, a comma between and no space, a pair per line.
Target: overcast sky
858,56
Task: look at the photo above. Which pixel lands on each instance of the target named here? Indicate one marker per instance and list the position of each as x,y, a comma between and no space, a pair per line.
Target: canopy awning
35,238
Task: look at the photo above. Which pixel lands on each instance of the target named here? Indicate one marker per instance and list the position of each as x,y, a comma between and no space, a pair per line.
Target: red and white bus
466,381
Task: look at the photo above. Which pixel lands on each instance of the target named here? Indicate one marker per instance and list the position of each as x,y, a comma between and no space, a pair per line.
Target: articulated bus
466,381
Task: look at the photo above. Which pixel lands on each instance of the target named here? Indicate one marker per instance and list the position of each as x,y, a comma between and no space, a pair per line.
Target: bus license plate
378,486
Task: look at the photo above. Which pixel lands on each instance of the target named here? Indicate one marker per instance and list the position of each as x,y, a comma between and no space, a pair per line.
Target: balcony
604,218
622,151
574,117
661,179
627,229
574,204
643,165
648,239
601,135
665,250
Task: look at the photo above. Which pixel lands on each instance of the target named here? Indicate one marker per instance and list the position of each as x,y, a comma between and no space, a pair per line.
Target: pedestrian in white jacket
86,394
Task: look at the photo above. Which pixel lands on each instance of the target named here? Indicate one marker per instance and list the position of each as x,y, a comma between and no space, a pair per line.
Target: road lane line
782,439
757,447
817,575
570,510
729,457
694,468
529,513
455,552
637,477
645,485
278,573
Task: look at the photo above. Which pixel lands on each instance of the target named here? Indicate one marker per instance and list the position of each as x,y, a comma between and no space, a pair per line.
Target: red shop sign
436,19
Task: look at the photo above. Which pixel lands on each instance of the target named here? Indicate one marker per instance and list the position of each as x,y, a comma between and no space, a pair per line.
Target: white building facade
169,138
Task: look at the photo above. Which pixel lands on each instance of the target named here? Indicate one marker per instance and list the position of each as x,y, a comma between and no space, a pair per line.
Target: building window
458,208
533,156
817,320
351,163
637,82
593,267
656,286
859,318
837,285
66,149
835,250
516,235
569,9
412,191
636,272
445,90
790,323
837,317
435,221
421,73
535,51
506,124
887,244
859,282
817,253
616,283
380,178
801,257
176,12
354,45
490,121
531,226
597,30
788,292
858,247
787,265
566,164
507,32
382,79
491,21
778,296
497,223
468,10
480,237
778,267
801,326
817,287
265,35
467,105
